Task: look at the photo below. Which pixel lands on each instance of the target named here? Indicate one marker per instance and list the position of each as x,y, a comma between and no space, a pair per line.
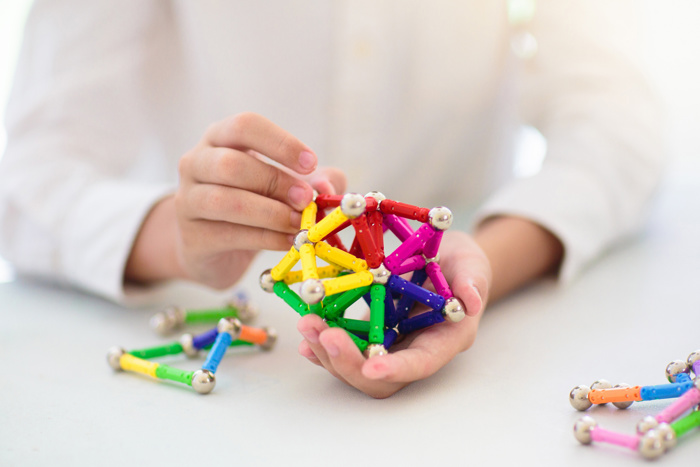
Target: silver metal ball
453,311
271,339
301,238
203,381
692,358
578,397
601,384
646,424
166,321
312,291
440,218
231,326
267,283
353,205
247,312
374,350
186,341
380,275
378,195
582,429
668,435
434,259
675,368
651,445
113,356
622,405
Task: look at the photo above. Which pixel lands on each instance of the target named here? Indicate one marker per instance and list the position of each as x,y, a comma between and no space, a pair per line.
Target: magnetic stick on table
655,434
229,330
166,321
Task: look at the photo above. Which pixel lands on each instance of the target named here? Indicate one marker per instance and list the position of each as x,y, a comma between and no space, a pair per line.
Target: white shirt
419,100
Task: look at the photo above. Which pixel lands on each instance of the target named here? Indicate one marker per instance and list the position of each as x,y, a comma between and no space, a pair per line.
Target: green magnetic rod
167,321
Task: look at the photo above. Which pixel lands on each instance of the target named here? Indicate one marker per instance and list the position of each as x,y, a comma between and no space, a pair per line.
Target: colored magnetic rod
340,258
623,396
373,255
651,444
263,337
416,292
688,400
229,332
167,321
201,381
409,247
407,211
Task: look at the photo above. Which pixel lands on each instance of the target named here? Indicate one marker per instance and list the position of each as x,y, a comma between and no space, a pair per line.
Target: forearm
153,257
518,250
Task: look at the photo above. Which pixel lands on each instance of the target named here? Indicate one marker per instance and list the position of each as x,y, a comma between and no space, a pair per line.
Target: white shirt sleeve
586,93
68,210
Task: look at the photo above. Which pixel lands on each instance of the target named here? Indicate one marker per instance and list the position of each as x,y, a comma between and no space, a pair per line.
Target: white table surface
504,402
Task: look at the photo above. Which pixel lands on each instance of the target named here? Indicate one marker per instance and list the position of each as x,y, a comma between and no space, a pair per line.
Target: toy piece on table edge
654,434
171,319
229,332
364,271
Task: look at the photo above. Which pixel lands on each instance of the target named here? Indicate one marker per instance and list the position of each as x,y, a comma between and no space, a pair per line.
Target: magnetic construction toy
229,332
173,318
655,435
364,271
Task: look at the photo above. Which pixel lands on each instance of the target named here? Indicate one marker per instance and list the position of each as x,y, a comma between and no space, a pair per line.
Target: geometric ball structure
364,271
654,435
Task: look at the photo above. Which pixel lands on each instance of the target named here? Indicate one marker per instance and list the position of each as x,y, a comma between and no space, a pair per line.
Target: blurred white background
672,43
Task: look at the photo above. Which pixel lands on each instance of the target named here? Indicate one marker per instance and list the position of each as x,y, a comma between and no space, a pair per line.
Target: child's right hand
230,203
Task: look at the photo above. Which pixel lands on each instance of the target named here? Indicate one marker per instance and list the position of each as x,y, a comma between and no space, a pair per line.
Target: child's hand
420,355
230,203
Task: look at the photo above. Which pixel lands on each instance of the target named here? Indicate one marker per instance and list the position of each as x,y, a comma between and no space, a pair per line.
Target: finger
328,180
311,326
251,131
218,237
230,167
404,366
305,351
347,361
429,351
467,270
236,206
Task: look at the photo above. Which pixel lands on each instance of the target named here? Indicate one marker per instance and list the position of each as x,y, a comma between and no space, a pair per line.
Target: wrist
519,251
153,257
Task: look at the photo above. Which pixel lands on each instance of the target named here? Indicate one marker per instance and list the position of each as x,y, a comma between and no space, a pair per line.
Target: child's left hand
418,355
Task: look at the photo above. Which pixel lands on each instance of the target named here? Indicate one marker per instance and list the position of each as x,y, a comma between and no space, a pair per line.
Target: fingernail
295,220
311,335
297,196
332,349
473,311
379,371
323,184
307,160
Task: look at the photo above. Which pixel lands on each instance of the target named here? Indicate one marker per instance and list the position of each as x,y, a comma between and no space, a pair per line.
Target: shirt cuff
100,231
567,202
